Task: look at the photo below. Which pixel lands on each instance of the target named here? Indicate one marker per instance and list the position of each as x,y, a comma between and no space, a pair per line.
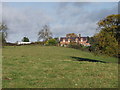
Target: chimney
79,35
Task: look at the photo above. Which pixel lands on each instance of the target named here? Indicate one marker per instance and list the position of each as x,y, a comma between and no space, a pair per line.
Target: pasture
56,67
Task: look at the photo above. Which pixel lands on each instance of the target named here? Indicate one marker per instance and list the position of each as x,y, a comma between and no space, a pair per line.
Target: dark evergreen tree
25,39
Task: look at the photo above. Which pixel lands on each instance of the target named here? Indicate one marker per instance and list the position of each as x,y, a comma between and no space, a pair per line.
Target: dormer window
76,40
63,40
81,39
68,40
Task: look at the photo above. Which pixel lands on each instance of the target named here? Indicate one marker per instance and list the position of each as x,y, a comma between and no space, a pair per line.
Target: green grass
54,67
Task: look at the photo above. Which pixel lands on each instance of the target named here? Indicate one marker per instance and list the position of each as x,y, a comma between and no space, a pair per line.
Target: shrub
51,42
79,46
75,46
38,43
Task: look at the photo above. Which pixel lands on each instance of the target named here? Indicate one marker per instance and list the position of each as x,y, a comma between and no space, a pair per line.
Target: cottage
74,38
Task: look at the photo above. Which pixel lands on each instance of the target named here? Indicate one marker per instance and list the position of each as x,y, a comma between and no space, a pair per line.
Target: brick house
75,39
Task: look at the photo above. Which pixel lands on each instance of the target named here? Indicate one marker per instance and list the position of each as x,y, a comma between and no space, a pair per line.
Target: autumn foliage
106,41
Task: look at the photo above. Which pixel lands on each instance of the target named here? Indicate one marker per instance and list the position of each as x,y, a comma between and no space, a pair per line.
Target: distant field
57,67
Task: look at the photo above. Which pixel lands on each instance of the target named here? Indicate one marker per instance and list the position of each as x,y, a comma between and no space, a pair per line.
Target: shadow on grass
86,59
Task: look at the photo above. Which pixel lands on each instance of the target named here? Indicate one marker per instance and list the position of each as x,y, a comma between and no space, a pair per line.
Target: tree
106,41
45,33
3,31
57,39
25,39
110,24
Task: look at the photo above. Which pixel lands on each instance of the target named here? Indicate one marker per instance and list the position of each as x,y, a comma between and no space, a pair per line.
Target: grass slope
56,67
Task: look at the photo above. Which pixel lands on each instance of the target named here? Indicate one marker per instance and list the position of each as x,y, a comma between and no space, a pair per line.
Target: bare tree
3,31
45,33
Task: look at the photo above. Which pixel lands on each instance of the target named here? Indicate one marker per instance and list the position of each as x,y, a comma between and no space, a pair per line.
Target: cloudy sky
27,18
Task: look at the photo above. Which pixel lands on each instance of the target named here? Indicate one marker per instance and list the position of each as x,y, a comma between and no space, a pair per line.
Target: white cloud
60,0
24,22
80,20
68,18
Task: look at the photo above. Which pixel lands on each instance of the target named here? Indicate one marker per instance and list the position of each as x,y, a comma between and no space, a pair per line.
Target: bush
51,42
38,43
79,46
75,46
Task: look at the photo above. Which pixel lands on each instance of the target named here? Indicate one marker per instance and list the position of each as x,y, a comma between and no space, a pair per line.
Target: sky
28,18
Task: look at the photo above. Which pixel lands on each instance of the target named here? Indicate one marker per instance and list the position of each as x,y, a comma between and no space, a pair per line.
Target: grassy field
56,67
